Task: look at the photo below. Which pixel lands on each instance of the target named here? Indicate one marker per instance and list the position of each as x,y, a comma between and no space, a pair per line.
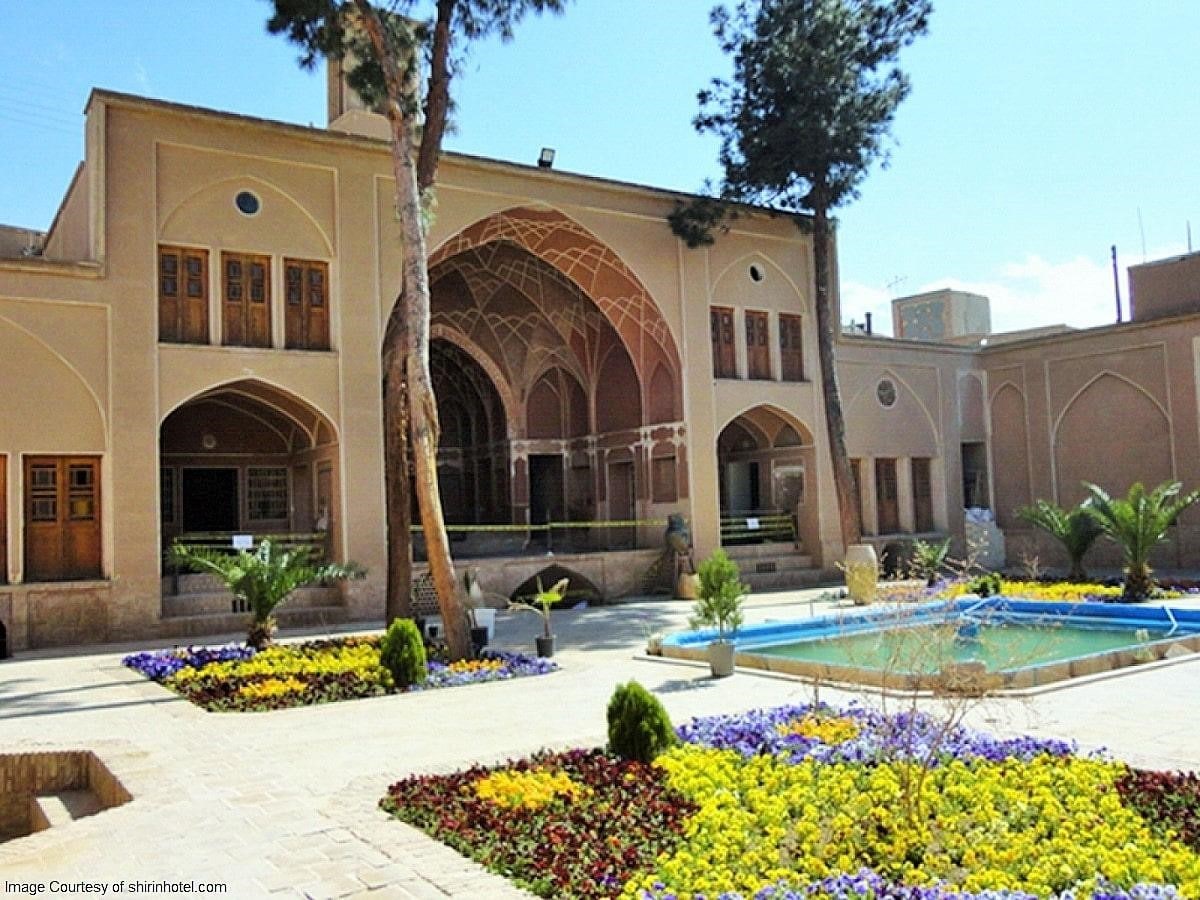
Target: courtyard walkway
284,803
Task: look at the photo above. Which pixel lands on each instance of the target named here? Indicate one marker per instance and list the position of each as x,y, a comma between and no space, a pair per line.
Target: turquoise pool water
927,648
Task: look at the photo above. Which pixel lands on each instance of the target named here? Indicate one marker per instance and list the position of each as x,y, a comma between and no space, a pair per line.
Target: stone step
232,623
214,602
48,810
767,564
788,579
740,552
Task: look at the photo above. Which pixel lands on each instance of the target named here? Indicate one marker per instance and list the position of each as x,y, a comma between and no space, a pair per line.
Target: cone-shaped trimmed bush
402,652
638,726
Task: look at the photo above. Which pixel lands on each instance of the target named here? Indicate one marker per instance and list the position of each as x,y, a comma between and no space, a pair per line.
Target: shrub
989,585
402,652
638,726
928,559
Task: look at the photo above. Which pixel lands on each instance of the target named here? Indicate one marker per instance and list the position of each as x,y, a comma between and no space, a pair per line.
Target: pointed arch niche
766,463
248,457
1110,411
575,341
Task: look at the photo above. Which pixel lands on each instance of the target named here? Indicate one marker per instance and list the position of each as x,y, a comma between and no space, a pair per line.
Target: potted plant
481,617
540,603
720,607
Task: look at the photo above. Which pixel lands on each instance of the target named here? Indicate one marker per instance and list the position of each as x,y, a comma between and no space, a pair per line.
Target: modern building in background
193,350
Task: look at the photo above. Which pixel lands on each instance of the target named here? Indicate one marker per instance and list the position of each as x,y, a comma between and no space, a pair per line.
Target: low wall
55,615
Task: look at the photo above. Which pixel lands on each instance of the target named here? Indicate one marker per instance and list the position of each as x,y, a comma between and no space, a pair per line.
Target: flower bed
284,675
807,802
1068,591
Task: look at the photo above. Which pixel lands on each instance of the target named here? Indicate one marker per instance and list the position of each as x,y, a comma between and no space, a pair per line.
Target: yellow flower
527,790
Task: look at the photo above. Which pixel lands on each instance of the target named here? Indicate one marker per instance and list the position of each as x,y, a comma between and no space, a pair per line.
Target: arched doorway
473,453
249,458
766,464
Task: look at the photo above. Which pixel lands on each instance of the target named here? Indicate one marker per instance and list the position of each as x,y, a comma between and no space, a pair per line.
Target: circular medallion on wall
885,391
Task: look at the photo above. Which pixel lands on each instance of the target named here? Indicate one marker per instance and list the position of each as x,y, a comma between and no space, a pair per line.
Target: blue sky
1037,134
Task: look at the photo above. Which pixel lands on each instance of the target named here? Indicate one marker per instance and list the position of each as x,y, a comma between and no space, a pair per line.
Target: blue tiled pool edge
692,645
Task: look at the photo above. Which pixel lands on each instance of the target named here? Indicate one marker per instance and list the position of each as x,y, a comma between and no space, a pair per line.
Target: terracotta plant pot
688,586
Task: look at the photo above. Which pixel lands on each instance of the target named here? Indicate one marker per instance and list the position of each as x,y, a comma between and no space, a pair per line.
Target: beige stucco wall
1111,406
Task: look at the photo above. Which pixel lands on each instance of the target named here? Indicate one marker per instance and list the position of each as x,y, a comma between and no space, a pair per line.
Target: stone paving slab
284,804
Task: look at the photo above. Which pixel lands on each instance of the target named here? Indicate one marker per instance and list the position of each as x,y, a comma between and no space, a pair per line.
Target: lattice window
306,287
267,493
663,481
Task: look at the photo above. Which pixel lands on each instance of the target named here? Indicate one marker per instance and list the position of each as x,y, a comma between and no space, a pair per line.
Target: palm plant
263,578
1138,523
1076,529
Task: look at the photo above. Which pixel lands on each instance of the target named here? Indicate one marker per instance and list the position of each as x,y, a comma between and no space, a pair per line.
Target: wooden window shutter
886,496
758,351
791,354
182,295
246,304
306,304
724,353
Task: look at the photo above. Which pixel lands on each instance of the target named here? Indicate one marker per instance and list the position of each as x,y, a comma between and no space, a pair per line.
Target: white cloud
1025,294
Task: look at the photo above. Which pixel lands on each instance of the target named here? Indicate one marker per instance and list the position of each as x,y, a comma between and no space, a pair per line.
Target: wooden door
720,321
886,496
246,307
621,504
922,487
62,518
758,351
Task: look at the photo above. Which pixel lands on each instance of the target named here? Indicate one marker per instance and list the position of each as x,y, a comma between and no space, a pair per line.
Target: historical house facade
193,348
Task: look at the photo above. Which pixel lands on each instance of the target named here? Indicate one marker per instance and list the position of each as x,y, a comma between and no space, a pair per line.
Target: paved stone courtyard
284,803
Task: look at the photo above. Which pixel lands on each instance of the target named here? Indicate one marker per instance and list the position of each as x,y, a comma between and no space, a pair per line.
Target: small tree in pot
720,606
540,603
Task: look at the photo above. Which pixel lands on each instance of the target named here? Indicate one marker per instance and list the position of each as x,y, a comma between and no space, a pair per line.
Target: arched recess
1010,453
441,332
662,397
1110,411
906,428
766,465
595,269
283,225
579,588
971,408
618,406
46,405
250,458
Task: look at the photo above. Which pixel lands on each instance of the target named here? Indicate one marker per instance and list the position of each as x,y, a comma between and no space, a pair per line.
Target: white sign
243,542
752,525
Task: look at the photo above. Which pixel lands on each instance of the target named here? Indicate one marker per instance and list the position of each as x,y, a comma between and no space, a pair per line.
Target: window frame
67,529
252,316
299,327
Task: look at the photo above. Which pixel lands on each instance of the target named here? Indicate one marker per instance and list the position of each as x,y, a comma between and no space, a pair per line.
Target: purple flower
162,664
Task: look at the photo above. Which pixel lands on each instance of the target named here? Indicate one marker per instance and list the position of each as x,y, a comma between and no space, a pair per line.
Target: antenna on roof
1116,283
1189,231
1142,229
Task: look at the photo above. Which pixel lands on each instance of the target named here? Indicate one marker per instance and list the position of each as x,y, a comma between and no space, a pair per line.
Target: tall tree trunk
396,480
835,421
422,406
